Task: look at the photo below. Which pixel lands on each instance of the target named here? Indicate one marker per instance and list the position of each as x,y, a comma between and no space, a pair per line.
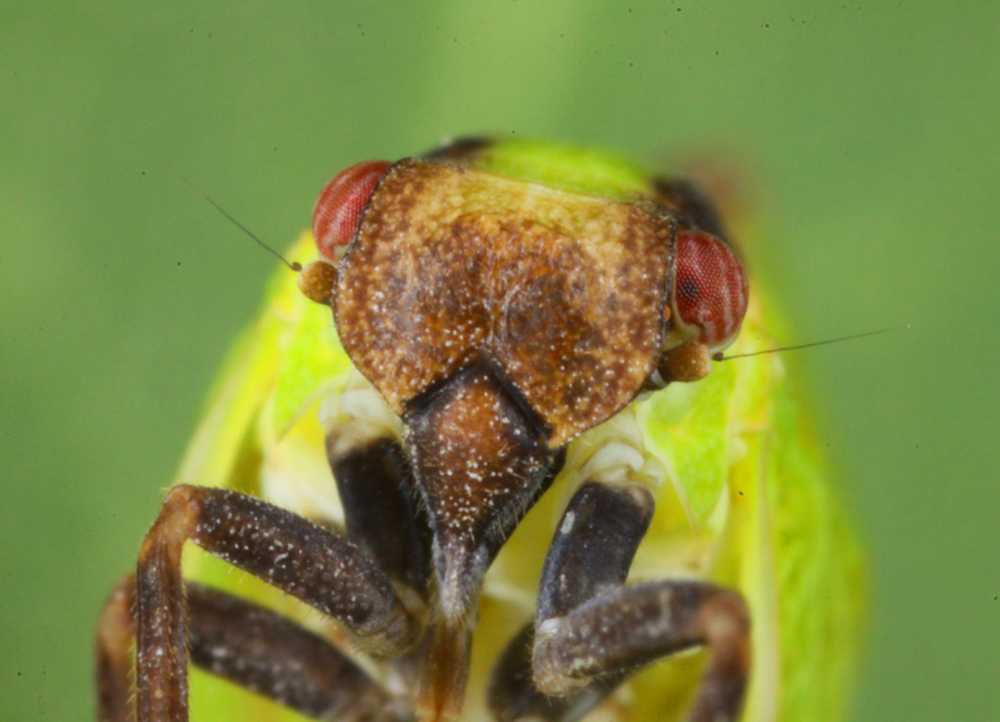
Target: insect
548,497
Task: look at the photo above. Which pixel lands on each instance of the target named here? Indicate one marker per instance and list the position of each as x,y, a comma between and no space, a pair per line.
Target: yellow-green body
743,495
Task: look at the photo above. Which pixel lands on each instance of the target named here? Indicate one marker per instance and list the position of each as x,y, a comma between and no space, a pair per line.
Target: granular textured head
563,294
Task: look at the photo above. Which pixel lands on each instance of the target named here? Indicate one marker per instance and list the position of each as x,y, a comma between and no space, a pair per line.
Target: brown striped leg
618,628
273,656
285,550
590,555
252,647
113,645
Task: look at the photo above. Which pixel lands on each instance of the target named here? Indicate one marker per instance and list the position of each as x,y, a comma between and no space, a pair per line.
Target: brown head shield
563,295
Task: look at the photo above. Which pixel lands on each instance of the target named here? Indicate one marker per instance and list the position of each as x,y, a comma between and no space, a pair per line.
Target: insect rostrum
540,484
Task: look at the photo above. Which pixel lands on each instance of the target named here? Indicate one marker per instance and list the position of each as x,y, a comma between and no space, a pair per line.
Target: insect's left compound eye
710,288
338,210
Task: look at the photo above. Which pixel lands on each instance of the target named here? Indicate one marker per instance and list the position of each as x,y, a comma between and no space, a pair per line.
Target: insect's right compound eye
710,288
338,210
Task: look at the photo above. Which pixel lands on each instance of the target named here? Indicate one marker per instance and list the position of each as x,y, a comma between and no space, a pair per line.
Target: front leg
283,549
588,630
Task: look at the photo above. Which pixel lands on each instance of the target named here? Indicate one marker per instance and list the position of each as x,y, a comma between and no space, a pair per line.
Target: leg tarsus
513,695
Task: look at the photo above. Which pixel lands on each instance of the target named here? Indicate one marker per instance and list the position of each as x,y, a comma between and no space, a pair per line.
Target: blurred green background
865,133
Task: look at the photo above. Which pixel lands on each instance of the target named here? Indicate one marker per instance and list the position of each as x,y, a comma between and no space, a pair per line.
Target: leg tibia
285,550
636,625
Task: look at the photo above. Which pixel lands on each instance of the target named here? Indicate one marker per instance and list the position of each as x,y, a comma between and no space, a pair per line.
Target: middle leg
588,632
590,556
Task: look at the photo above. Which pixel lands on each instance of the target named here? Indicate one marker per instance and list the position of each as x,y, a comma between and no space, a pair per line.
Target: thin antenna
720,357
294,266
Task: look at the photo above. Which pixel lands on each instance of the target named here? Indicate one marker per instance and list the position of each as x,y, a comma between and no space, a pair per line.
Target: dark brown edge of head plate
362,214
533,420
690,206
464,148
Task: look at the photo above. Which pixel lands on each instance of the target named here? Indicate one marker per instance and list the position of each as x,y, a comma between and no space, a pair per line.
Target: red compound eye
335,218
710,289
